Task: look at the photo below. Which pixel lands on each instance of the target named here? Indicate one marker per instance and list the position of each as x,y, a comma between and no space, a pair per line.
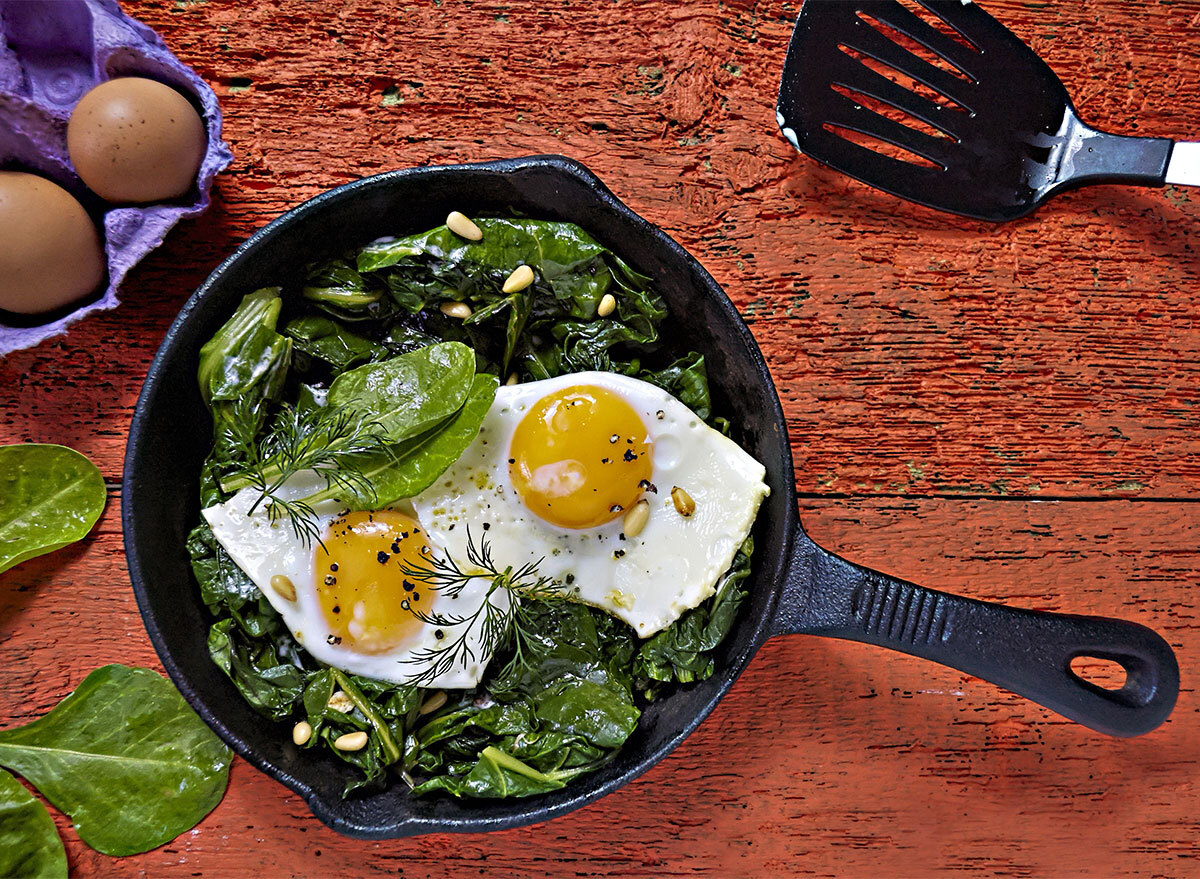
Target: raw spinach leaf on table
30,846
125,757
50,496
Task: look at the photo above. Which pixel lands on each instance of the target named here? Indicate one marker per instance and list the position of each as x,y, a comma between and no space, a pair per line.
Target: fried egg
558,465
345,599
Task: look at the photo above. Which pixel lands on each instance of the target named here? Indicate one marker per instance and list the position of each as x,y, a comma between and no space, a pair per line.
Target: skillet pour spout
794,586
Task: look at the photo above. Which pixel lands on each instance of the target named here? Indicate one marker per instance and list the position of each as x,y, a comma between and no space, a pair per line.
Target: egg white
263,548
649,581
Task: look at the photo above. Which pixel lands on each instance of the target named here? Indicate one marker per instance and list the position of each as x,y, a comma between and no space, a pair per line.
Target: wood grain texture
1008,412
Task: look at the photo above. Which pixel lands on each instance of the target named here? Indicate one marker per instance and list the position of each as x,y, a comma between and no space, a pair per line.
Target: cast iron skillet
796,587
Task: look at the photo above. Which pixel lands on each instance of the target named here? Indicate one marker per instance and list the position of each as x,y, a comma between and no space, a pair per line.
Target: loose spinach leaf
328,340
29,843
683,651
50,496
125,757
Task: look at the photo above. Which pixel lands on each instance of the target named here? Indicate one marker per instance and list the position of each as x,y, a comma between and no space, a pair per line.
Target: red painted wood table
1005,411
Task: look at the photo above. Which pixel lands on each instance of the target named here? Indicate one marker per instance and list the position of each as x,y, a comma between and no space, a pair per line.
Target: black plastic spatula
959,115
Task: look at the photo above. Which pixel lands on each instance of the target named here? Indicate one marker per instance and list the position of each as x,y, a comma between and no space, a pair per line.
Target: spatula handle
1085,156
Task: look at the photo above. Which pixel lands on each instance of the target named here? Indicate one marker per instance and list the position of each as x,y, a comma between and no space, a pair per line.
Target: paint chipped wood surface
1008,412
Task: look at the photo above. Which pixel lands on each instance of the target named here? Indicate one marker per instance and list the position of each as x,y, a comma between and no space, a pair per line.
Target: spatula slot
935,19
909,44
882,147
902,79
890,111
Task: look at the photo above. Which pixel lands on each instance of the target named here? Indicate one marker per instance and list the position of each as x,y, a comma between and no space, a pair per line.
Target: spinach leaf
243,367
50,496
412,466
597,714
270,685
687,380
408,394
221,580
382,710
683,651
572,274
560,711
328,340
29,843
498,774
125,757
335,287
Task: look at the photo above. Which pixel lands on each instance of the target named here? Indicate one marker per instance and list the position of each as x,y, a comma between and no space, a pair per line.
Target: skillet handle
1026,651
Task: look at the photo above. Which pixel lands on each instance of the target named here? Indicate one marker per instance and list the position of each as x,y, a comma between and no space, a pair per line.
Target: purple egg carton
51,53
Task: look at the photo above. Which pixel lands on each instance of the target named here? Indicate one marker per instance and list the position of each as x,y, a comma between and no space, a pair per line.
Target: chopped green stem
390,749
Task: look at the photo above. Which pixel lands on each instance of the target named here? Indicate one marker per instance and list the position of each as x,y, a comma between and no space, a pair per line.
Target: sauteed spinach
570,697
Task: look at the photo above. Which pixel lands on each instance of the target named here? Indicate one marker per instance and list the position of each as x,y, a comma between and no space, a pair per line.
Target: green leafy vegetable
384,711
243,367
683,651
412,466
384,393
50,496
29,842
327,340
125,757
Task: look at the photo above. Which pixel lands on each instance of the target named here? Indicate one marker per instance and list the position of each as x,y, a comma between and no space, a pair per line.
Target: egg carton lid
51,54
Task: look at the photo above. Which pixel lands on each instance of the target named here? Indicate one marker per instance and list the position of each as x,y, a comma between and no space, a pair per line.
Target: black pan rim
524,811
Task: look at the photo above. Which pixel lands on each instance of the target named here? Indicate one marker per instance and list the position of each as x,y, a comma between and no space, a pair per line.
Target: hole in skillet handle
1105,673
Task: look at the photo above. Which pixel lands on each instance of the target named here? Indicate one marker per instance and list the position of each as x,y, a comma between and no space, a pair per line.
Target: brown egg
136,140
50,252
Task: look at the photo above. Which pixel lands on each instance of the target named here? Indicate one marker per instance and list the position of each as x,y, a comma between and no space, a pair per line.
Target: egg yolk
365,598
580,457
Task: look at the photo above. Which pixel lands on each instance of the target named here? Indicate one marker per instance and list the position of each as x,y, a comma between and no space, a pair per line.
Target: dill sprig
328,443
495,624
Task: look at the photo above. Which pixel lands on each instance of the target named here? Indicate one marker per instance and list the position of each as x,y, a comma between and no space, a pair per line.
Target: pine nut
607,305
636,518
684,504
460,224
302,732
459,310
339,701
351,741
512,380
284,587
433,703
521,278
